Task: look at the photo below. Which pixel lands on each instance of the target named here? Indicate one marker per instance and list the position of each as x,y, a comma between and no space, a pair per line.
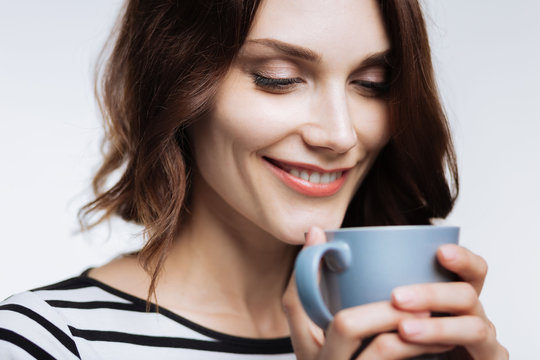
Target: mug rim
391,227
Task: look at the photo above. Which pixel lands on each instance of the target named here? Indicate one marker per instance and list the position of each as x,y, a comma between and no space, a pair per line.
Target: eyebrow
288,49
374,59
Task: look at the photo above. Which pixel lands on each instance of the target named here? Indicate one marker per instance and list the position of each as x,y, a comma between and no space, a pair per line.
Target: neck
224,265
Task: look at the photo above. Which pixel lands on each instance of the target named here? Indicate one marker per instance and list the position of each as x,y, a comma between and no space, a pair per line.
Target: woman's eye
275,84
372,88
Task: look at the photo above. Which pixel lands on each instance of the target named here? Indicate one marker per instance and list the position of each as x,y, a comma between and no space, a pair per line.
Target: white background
487,58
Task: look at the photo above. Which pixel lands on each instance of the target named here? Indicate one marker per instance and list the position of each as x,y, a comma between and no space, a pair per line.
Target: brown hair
168,58
408,182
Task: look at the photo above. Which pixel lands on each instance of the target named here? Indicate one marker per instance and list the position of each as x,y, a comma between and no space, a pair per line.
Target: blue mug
363,265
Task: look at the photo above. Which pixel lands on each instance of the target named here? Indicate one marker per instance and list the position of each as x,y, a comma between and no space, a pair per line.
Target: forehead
335,29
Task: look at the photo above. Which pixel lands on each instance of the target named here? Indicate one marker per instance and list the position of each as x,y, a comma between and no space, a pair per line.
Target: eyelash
370,88
274,83
373,88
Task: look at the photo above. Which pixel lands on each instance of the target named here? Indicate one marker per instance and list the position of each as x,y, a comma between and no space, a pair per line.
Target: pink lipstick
308,179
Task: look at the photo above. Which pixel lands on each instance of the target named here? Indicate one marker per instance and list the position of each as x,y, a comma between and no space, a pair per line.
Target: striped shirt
82,318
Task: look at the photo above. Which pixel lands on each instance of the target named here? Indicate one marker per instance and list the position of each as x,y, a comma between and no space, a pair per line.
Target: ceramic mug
363,265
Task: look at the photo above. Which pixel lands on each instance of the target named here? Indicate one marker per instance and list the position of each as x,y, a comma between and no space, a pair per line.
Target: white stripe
114,351
34,332
150,324
141,323
92,293
8,351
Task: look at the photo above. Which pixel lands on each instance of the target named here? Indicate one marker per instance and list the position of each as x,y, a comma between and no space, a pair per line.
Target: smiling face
299,118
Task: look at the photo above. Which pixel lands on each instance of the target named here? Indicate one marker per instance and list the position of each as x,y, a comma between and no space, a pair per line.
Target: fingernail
448,252
412,327
403,296
315,235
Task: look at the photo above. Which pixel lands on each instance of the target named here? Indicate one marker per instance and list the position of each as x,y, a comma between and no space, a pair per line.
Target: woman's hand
469,326
351,327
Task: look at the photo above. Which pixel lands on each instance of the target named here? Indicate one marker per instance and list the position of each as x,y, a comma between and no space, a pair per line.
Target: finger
307,338
476,334
390,346
370,319
467,265
315,236
351,325
455,297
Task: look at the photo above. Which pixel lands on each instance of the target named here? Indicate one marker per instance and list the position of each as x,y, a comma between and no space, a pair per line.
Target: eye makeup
372,88
279,84
372,81
279,72
274,75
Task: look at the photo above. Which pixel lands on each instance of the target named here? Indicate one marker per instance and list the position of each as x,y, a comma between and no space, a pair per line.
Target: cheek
243,122
372,123
253,121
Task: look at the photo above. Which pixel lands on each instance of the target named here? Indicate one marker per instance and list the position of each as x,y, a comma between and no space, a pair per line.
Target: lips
308,179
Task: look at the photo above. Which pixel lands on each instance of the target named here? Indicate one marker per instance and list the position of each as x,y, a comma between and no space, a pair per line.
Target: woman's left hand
469,327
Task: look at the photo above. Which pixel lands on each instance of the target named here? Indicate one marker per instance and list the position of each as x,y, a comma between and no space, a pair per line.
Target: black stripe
161,341
139,305
280,343
68,284
94,305
61,336
25,344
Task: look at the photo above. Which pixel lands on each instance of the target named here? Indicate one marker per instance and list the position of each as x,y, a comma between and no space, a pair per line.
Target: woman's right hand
350,327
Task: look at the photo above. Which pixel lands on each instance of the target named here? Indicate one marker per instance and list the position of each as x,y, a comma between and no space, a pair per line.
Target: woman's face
299,119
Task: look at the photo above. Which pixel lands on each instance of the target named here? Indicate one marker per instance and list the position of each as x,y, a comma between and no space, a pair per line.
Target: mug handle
307,271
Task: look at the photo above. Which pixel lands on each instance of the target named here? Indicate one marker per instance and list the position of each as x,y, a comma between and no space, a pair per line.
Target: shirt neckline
275,343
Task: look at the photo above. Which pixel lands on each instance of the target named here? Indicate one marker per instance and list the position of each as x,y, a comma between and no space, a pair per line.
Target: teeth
325,178
315,177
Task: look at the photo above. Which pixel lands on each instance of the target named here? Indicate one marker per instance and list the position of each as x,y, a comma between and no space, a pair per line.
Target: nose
330,125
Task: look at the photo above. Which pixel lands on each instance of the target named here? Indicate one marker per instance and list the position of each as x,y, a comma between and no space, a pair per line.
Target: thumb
307,338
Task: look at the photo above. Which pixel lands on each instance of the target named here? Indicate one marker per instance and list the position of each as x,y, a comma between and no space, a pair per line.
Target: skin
324,120
246,225
408,313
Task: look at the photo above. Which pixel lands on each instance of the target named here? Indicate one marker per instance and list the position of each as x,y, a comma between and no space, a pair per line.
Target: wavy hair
164,63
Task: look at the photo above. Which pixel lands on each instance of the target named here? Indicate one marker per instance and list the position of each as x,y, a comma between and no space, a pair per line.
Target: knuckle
469,296
428,293
288,304
492,329
483,266
438,329
342,324
386,345
505,353
481,329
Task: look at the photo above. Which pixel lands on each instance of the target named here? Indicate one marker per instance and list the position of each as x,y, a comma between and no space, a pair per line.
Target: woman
235,127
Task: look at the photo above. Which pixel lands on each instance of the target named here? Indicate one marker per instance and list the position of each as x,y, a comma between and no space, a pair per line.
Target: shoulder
62,320
31,328
125,274
46,323
83,317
